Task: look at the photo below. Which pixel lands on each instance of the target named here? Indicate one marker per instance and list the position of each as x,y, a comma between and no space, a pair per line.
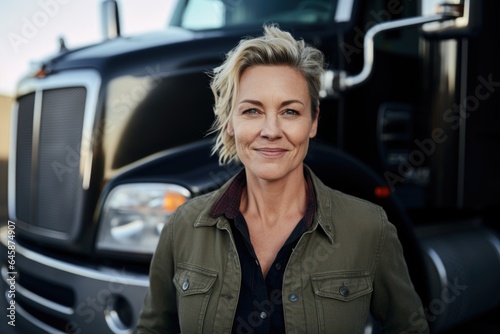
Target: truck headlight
133,215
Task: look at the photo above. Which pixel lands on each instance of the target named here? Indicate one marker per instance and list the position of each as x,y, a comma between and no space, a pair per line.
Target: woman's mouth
271,152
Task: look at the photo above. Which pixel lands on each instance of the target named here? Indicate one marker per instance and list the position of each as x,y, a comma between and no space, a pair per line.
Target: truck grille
24,152
60,138
47,168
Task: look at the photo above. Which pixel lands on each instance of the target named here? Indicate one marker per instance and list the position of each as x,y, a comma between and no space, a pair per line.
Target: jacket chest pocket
194,285
342,300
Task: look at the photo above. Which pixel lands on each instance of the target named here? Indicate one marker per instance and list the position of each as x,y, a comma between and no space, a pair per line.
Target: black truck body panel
139,109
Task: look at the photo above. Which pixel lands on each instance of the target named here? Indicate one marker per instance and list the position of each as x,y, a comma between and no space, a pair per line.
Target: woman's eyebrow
256,102
288,102
260,104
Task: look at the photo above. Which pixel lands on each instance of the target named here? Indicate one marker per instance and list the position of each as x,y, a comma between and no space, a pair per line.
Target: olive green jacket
349,264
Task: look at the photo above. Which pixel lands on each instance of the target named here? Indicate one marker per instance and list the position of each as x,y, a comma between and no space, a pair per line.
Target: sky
30,29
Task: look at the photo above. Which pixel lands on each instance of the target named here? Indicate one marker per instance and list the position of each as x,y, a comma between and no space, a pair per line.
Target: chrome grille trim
26,315
89,80
34,298
11,179
37,117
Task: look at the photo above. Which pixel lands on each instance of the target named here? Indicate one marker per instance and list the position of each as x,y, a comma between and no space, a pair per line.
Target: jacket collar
322,217
325,213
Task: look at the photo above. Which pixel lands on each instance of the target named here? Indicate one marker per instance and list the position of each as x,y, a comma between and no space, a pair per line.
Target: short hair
274,47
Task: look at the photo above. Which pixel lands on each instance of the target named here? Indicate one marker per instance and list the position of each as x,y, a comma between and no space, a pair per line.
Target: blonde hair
274,47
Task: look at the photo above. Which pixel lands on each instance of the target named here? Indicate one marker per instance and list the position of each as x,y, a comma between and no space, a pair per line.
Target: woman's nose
271,128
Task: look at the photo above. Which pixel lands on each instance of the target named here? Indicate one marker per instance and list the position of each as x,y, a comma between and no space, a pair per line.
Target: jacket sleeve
395,304
159,312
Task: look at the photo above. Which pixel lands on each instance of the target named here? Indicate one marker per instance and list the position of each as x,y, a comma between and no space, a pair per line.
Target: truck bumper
46,295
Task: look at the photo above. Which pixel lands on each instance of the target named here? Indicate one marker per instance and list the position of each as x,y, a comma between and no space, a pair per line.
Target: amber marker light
41,73
172,201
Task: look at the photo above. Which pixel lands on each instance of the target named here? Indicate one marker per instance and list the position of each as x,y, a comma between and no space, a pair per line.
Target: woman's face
272,122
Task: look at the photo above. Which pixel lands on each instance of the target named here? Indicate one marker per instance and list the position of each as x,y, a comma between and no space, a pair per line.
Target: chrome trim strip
441,269
103,274
87,145
36,298
113,321
495,242
37,119
11,179
43,301
35,322
463,125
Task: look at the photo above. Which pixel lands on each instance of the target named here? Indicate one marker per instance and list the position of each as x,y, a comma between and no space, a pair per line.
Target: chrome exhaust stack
110,19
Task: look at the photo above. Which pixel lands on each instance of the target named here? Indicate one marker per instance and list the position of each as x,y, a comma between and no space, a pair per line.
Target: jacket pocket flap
191,280
343,286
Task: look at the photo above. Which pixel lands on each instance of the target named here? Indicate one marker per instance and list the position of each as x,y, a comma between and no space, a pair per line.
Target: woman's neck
271,202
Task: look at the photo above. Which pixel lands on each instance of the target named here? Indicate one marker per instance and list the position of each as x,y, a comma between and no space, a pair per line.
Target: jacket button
344,291
277,266
263,315
293,297
185,285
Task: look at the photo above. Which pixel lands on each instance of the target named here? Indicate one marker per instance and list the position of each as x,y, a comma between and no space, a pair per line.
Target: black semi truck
107,140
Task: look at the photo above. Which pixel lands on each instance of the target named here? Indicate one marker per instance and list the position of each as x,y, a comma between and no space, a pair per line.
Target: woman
275,250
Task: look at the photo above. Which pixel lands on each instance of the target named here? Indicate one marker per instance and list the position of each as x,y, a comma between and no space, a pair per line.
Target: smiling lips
271,152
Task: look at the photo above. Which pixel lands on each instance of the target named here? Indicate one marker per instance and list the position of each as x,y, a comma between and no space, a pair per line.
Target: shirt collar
229,203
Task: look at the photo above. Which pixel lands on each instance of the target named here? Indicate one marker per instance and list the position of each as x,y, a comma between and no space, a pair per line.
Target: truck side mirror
440,18
468,14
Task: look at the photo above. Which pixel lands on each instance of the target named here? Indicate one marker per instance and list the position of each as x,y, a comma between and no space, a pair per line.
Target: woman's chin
269,171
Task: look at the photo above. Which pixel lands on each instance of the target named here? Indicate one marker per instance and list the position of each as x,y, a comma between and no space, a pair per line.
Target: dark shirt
260,302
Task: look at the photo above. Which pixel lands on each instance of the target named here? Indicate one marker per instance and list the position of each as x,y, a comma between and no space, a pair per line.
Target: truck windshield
216,14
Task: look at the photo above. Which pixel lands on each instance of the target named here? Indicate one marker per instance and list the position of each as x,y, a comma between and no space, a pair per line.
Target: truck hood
170,41
98,55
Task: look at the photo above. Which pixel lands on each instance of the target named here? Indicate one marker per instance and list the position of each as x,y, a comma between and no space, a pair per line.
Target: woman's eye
251,111
290,112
